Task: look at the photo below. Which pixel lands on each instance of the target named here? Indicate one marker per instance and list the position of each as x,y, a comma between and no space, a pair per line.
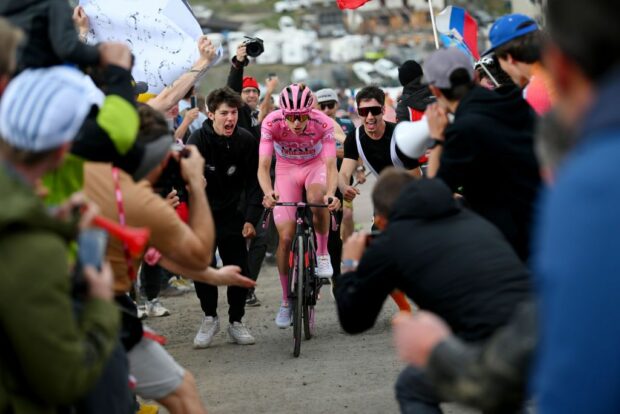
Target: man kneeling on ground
445,258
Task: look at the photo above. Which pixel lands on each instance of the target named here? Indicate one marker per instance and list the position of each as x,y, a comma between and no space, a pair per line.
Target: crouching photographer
444,257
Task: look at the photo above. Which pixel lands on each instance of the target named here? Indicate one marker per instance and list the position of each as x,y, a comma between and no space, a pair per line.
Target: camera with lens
254,46
171,177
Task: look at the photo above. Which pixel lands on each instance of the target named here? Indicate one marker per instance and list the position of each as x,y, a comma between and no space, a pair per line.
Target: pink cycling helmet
297,98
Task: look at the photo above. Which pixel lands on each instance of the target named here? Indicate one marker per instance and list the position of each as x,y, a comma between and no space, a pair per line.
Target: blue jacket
577,266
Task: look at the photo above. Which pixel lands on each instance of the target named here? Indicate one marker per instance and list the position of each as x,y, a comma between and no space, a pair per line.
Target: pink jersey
317,140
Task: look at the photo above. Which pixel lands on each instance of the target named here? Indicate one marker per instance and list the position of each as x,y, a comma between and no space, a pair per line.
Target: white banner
162,35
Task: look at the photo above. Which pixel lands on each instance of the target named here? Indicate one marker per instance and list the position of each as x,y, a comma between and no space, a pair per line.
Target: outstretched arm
174,92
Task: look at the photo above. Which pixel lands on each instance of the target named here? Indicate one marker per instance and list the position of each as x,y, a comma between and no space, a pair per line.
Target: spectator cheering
231,162
487,153
516,41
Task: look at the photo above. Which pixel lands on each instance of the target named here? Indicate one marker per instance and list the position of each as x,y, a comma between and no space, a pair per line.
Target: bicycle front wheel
298,288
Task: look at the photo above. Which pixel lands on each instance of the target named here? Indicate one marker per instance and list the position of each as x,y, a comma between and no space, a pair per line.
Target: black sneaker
251,299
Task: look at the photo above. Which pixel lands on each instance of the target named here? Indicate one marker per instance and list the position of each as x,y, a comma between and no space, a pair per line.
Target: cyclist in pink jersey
303,141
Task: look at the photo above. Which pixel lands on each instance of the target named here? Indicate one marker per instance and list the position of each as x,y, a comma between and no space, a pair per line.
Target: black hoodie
230,169
415,96
489,152
447,259
51,36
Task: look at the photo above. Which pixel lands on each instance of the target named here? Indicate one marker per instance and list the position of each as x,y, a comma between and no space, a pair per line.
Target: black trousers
153,279
232,248
415,393
334,244
258,248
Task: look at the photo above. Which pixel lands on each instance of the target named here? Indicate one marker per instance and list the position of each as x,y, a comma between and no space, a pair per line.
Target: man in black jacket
488,150
231,162
247,87
446,258
416,96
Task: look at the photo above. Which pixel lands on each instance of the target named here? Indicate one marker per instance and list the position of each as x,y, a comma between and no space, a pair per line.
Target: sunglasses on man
294,117
374,110
329,105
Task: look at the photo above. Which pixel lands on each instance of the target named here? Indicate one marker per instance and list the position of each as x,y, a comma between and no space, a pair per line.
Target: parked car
291,5
386,68
365,71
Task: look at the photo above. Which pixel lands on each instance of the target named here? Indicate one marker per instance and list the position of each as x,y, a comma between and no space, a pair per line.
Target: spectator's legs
150,277
334,245
347,220
233,252
185,399
415,394
256,253
207,294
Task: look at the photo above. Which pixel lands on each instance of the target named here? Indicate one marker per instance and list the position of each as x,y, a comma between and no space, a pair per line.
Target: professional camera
171,177
254,46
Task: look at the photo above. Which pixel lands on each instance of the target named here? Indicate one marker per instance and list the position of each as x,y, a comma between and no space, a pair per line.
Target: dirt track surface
335,373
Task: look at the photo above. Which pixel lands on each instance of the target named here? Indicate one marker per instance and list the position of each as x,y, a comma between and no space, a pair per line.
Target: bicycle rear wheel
298,289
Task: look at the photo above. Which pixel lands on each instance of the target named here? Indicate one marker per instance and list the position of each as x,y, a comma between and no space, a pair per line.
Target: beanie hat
409,71
42,109
250,82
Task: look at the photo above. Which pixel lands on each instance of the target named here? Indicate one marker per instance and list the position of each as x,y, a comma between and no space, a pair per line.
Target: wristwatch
349,265
436,143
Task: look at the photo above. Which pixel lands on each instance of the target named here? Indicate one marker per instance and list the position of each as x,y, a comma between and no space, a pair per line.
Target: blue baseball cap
509,27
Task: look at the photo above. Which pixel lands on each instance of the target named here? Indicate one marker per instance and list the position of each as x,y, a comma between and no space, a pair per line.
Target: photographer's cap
153,153
441,65
509,27
326,95
41,109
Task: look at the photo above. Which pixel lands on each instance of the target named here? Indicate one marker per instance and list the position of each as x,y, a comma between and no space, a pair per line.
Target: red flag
351,4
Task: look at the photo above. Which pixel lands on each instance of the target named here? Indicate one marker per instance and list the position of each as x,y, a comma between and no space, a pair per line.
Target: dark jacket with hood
51,36
447,259
489,152
230,169
415,97
235,82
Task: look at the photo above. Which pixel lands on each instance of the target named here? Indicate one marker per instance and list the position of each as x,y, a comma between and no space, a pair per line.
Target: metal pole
489,74
430,8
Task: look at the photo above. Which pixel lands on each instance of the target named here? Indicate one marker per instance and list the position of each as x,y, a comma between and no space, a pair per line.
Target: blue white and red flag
458,25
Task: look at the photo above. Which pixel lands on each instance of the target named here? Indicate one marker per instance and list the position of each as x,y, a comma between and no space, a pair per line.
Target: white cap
326,95
42,109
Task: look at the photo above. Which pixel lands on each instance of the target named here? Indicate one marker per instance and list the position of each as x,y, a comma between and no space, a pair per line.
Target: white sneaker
154,308
142,313
283,319
209,327
240,334
324,268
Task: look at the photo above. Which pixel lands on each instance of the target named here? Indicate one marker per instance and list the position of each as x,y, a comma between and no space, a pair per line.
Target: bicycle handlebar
267,211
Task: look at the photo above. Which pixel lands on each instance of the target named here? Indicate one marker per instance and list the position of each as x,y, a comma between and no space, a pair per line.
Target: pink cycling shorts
291,179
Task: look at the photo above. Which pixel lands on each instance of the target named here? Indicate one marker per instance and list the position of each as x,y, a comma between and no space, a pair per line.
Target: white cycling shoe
324,268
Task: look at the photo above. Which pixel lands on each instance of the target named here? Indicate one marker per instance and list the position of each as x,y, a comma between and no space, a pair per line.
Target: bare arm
332,176
344,178
264,178
433,161
265,106
226,276
196,246
174,92
189,116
